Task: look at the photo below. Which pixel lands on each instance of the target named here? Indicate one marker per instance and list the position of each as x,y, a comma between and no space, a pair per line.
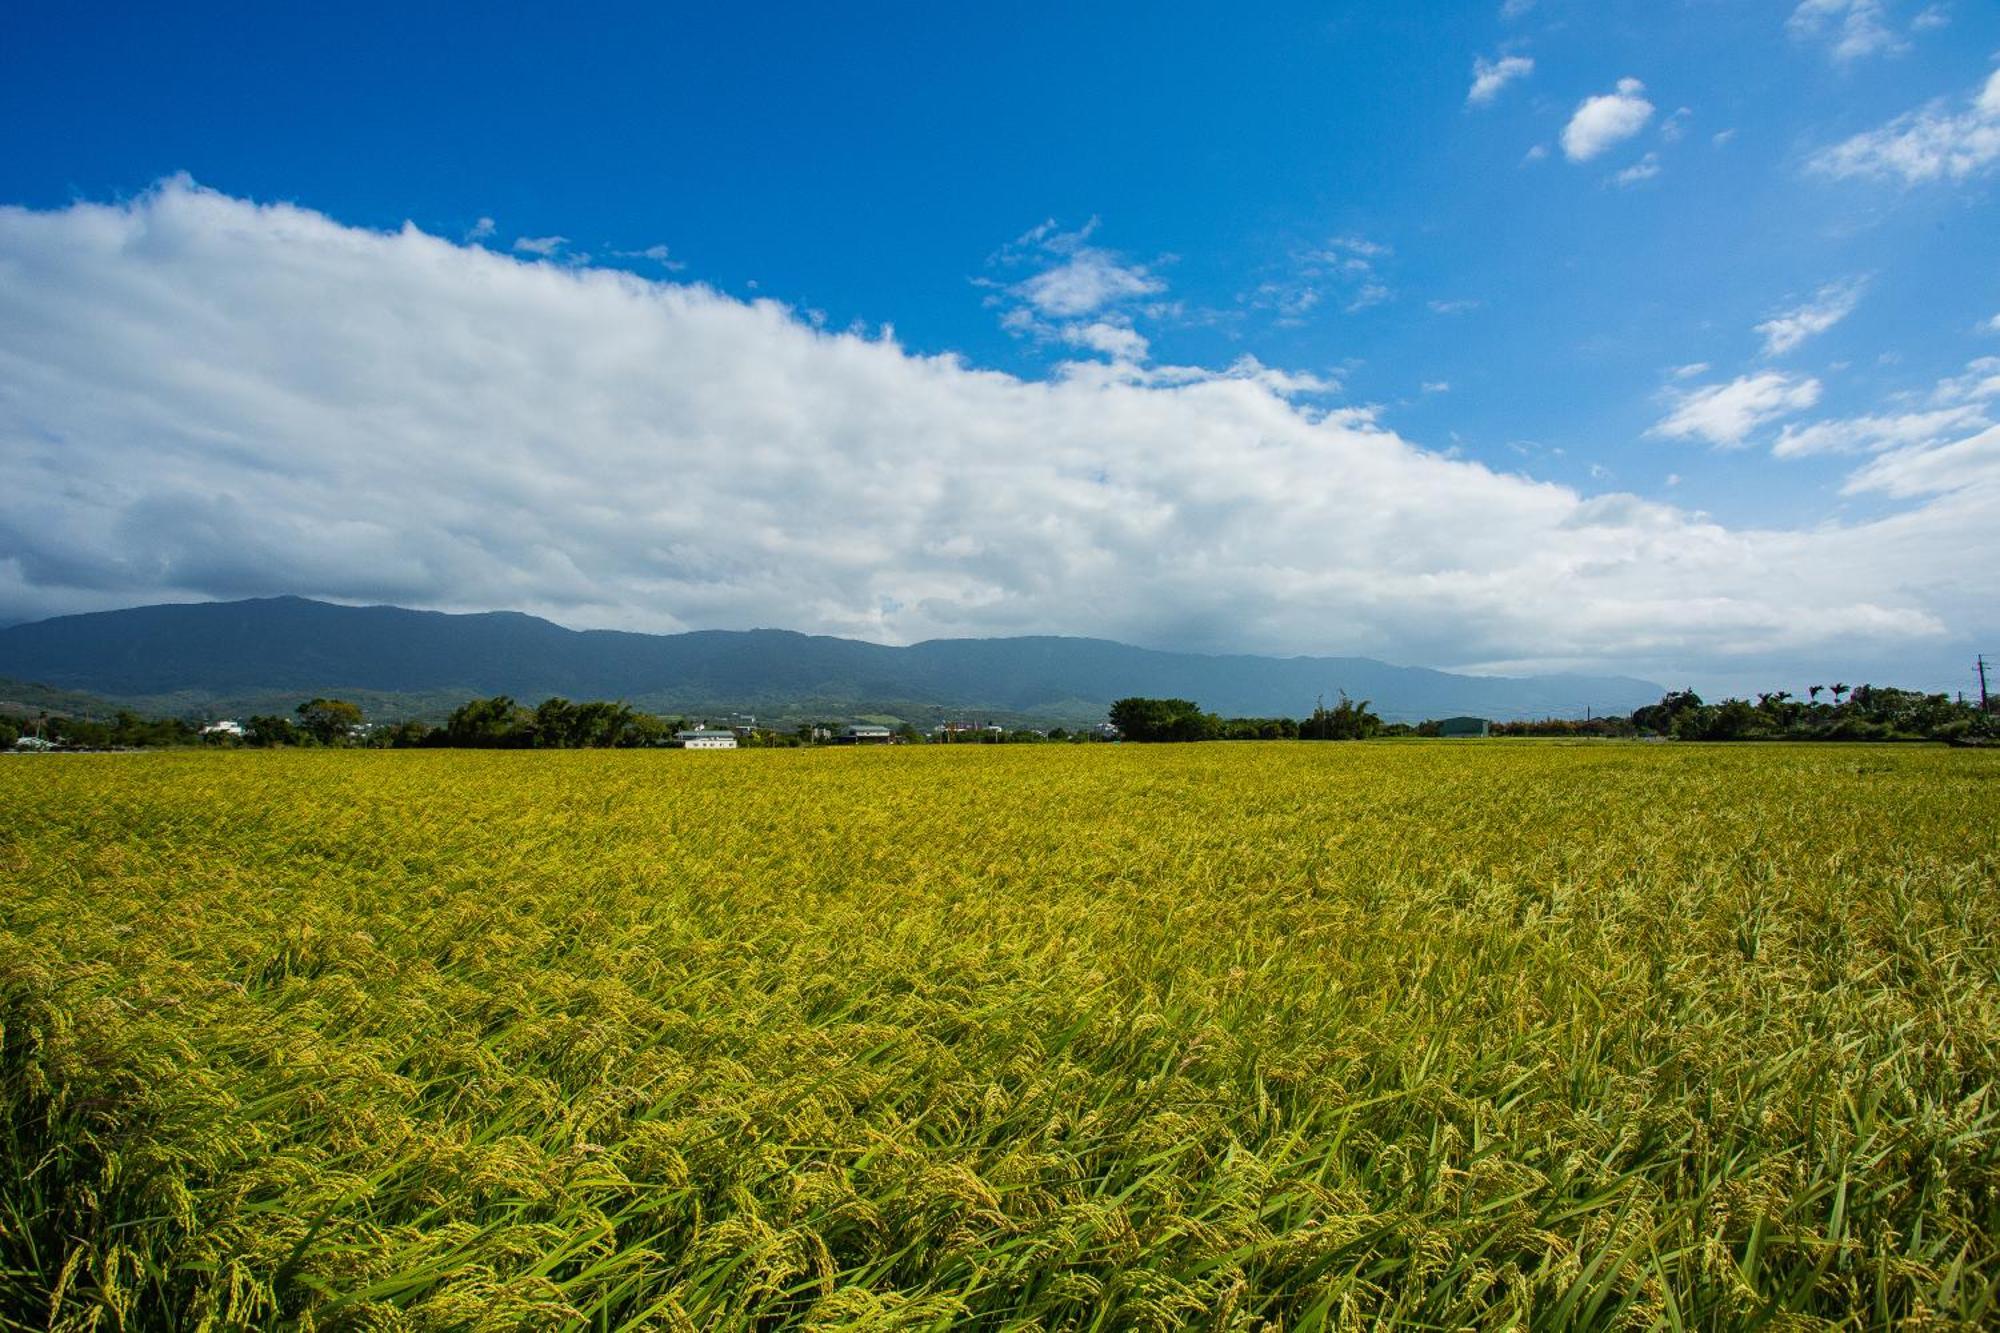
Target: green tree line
1827,713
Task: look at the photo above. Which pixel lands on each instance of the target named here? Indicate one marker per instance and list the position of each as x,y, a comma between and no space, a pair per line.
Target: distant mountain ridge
211,655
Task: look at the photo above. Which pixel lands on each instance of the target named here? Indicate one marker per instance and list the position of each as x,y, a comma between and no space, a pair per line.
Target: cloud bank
205,397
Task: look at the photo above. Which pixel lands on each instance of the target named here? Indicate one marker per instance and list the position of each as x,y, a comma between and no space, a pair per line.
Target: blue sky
1705,264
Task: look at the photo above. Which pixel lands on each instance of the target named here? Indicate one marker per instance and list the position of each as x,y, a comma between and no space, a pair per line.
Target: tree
270,730
1345,721
405,735
1140,719
555,723
329,721
493,723
1659,718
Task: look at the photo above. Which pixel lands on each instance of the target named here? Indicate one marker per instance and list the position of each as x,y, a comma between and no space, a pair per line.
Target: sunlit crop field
1228,1036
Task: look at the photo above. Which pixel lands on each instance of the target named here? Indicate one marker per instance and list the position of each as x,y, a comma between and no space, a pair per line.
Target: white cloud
658,254
1979,383
1725,415
1936,16
1490,76
1831,304
1080,294
1457,307
200,397
1348,250
1513,9
1644,169
1991,326
1721,138
1872,434
1971,464
1690,370
1605,120
1119,341
1437,386
1918,147
543,246
481,229
1346,268
1087,281
1082,278
1674,126
1854,28
1371,294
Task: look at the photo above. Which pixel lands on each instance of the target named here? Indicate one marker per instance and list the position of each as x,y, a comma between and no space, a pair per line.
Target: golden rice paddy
1280,1036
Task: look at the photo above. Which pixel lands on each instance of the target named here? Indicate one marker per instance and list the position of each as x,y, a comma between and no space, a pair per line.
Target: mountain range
265,654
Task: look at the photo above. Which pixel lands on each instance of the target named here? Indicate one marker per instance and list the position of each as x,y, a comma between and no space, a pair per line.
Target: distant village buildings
705,738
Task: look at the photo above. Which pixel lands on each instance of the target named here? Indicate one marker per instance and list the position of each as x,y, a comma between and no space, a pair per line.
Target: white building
705,738
865,733
226,727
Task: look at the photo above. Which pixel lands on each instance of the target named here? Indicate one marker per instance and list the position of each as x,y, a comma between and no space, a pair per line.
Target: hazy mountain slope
220,652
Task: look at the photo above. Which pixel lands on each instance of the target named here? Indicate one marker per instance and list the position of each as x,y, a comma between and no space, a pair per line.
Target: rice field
1279,1036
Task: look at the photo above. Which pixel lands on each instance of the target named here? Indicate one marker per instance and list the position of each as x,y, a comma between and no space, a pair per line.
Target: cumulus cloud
1490,76
1852,28
1918,147
1605,120
1726,415
543,246
203,397
1831,304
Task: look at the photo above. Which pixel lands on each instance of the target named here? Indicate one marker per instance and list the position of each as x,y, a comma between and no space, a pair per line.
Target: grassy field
1225,1036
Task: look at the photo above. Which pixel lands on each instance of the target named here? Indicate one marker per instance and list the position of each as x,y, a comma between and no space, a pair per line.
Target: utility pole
1982,683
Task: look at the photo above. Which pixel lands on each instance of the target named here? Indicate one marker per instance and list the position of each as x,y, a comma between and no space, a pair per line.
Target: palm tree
1813,691
1838,690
